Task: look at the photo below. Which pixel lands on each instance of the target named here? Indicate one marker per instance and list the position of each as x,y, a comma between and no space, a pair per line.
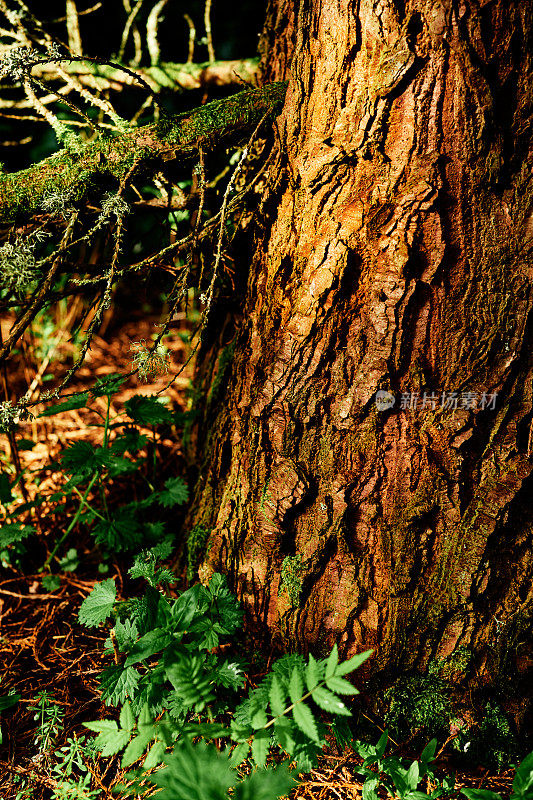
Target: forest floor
43,648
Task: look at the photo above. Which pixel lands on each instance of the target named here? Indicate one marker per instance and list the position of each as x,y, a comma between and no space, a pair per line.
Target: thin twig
192,38
152,32
126,32
208,33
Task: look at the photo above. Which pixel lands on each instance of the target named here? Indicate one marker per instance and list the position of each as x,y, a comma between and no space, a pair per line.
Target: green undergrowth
124,466
420,707
185,715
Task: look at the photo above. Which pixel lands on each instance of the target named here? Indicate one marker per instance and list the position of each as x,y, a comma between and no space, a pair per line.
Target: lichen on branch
73,170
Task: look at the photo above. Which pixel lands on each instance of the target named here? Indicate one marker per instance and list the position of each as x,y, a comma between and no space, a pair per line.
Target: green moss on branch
73,172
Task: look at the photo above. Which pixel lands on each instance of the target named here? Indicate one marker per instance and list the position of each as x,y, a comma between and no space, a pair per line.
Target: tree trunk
392,251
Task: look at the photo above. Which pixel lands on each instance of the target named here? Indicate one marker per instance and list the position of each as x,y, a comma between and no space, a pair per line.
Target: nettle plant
187,726
174,684
125,452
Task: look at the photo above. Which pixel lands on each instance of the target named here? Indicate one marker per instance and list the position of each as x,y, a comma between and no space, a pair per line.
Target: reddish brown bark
393,250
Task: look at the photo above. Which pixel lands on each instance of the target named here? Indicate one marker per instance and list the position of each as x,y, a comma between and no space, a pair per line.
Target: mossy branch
163,76
72,171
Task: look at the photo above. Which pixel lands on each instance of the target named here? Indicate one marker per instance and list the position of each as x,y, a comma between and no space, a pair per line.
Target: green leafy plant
174,685
49,718
125,450
398,778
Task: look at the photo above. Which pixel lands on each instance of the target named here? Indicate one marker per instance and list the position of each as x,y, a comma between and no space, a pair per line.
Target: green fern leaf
155,756
285,732
329,702
260,746
296,687
127,720
312,673
340,686
276,697
259,719
352,663
332,662
239,754
303,717
135,750
265,784
195,772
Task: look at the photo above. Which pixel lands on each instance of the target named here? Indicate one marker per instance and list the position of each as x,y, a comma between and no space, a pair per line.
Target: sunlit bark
393,250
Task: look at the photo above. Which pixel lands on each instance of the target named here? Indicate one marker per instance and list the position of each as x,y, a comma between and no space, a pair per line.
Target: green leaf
127,720
428,753
481,794
14,532
117,684
131,441
76,401
207,730
230,675
69,562
6,496
175,493
265,784
51,582
155,756
259,719
340,686
260,747
110,739
126,633
26,444
152,642
296,687
147,410
8,700
413,775
329,702
303,717
195,772
135,750
353,663
369,789
97,607
276,697
312,673
286,732
239,754
80,459
331,663
108,385
523,780
121,532
382,744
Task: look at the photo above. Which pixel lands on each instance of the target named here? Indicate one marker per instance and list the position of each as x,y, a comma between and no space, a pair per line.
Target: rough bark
393,250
